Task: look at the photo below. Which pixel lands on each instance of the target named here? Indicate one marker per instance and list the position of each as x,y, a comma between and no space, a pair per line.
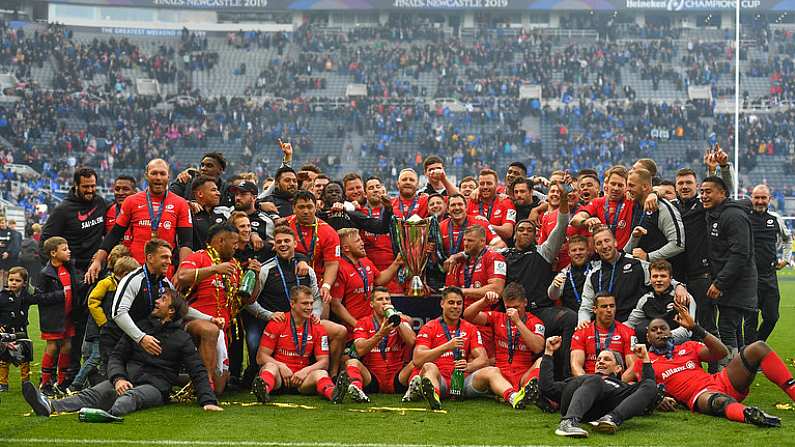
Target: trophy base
416,288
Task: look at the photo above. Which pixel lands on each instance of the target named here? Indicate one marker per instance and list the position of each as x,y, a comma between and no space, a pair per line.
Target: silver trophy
412,236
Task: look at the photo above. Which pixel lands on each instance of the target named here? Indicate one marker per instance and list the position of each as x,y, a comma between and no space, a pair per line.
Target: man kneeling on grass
137,379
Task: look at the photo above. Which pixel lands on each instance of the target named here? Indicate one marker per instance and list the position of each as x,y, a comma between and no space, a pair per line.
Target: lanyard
513,339
456,351
469,271
155,220
405,214
310,251
638,209
491,209
457,247
284,280
607,340
578,294
384,340
149,289
362,274
614,225
612,277
302,347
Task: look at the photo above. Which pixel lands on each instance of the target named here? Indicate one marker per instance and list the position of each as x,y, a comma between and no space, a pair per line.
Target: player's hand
591,223
314,319
450,262
122,386
285,372
224,268
721,157
651,204
211,407
185,176
553,344
710,162
325,294
713,292
455,343
473,196
513,314
667,404
4,255
218,321
194,206
638,232
268,207
559,280
93,272
460,364
302,268
781,264
681,296
492,297
337,207
278,317
385,329
299,376
683,317
254,265
256,241
640,254
641,352
151,345
398,260
539,180
582,324
287,149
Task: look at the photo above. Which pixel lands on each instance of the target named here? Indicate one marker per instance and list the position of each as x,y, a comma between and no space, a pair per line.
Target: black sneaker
340,387
570,428
48,390
606,424
260,390
531,394
357,394
755,416
546,405
40,404
430,394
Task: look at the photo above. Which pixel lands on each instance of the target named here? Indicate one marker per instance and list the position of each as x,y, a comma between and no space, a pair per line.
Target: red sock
533,374
775,370
506,396
63,366
270,381
47,368
356,375
325,387
734,412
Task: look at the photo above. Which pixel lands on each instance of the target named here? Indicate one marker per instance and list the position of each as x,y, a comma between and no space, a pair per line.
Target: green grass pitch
482,422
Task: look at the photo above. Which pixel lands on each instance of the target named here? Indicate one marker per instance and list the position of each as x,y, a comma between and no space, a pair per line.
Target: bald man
408,202
772,242
152,213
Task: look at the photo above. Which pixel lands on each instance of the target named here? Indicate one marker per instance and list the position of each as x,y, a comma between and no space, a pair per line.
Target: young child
58,280
100,300
15,300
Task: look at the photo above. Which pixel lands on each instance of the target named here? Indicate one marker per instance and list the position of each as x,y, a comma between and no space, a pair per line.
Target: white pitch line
167,442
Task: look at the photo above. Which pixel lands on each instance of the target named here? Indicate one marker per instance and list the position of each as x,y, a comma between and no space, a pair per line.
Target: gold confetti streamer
401,410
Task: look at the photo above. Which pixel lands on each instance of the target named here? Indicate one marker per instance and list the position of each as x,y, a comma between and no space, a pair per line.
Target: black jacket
51,297
81,223
694,262
730,245
185,190
282,200
14,309
130,362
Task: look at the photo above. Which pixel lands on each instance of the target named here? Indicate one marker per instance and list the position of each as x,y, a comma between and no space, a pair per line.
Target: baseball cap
244,186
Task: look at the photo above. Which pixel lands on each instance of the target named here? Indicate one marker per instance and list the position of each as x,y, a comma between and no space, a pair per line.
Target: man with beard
568,285
378,246
212,165
771,237
152,214
212,276
730,246
206,196
500,212
286,186
245,193
80,220
452,229
678,367
408,202
124,186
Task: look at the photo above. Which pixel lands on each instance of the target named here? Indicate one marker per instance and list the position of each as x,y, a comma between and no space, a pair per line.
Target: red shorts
69,331
386,382
724,385
514,374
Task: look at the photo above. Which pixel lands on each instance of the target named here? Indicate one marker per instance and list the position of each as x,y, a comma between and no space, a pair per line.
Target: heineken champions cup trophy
411,237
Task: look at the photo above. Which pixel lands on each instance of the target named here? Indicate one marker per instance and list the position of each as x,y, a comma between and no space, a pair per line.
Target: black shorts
373,386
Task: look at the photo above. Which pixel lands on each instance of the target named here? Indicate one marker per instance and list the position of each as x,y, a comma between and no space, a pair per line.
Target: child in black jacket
15,300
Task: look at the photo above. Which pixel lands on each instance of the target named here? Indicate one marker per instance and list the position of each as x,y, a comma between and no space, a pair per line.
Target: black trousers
768,301
729,321
103,395
559,321
236,342
706,309
589,397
